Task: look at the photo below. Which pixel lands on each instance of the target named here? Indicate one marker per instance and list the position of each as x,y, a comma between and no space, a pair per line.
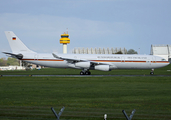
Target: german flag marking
14,38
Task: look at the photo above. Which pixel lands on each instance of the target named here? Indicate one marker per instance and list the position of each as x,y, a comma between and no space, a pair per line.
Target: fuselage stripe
127,61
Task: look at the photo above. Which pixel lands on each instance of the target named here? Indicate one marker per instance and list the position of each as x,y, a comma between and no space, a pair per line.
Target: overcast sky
132,24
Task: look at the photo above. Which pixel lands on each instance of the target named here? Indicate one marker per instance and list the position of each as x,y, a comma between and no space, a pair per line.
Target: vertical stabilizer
17,46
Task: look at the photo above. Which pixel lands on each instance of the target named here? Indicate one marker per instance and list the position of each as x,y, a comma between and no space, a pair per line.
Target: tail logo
14,38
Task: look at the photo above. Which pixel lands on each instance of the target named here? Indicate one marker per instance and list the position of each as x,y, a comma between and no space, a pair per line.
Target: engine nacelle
102,67
83,64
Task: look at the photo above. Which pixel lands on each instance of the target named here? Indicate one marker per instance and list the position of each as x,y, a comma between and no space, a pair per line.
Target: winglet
54,55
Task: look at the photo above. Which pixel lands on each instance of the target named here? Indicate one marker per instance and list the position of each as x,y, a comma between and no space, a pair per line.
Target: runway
85,75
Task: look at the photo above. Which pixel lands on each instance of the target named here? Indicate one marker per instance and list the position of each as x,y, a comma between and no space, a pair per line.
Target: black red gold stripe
127,61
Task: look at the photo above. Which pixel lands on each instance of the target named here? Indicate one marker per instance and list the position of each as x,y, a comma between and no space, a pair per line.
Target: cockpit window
163,59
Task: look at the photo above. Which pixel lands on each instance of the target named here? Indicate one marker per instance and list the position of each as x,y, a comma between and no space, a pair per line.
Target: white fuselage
85,62
115,61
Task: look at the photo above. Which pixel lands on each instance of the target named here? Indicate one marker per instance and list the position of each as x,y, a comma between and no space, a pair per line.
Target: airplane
85,62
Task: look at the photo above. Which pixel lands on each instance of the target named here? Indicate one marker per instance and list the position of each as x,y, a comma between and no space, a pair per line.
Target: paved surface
85,75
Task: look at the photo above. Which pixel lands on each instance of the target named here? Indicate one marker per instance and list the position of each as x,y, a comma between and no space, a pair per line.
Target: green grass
59,71
85,97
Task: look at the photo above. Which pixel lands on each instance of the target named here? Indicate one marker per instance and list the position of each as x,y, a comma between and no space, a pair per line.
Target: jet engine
102,67
83,64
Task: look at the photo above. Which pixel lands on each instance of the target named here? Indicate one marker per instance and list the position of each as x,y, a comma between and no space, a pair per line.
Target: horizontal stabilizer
18,56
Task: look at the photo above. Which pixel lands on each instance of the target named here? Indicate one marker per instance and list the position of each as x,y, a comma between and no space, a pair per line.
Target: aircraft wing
80,60
68,59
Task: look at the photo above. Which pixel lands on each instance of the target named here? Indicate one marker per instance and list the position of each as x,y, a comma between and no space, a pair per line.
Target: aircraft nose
167,63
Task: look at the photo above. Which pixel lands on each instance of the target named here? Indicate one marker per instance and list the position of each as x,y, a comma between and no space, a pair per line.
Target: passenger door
36,57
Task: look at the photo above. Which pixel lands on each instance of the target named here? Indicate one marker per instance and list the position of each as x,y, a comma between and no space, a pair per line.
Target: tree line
130,51
9,61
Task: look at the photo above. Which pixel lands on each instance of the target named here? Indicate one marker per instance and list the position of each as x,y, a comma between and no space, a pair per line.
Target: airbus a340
85,62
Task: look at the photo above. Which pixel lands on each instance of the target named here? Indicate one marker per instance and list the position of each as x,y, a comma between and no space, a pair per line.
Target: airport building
162,51
98,50
12,68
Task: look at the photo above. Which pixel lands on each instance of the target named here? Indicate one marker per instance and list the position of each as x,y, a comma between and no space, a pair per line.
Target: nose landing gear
152,72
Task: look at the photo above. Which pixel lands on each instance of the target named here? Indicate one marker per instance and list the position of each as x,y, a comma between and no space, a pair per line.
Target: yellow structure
65,40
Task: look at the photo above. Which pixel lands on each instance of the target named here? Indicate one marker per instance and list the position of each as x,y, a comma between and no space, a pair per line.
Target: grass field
87,98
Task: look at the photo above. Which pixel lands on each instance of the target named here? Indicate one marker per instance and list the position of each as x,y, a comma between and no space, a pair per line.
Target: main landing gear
85,72
152,72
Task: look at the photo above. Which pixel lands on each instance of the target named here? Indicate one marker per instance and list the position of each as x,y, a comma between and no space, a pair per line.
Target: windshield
163,59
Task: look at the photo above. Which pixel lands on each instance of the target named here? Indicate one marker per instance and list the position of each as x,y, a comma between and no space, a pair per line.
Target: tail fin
17,46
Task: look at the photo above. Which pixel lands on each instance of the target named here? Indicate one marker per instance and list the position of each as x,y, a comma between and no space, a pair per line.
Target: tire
81,73
89,73
151,73
86,73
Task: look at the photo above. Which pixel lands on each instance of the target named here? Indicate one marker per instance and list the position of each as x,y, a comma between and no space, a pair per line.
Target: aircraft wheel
87,73
151,73
81,73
